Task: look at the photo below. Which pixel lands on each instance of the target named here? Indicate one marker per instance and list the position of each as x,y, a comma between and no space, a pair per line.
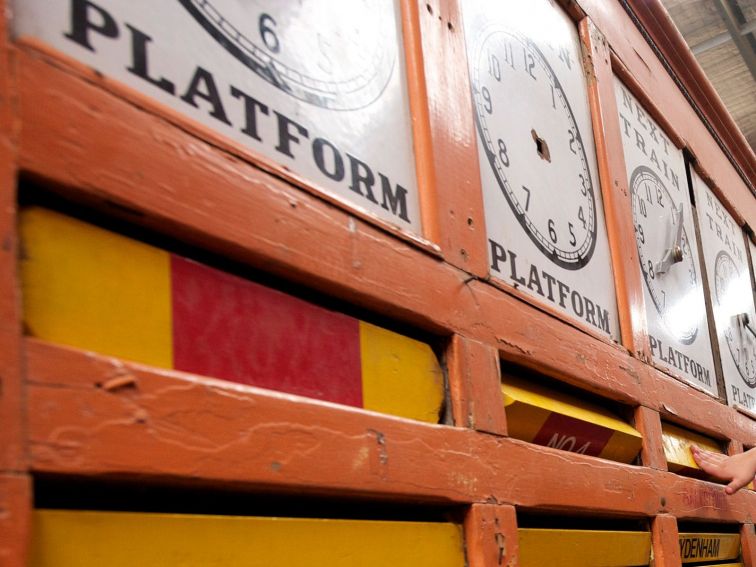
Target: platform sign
543,207
703,547
726,260
665,237
317,87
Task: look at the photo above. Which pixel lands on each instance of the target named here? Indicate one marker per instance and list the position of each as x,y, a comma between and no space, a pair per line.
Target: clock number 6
268,33
552,231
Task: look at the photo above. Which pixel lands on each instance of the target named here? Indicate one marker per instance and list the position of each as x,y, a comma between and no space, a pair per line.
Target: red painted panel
231,328
570,434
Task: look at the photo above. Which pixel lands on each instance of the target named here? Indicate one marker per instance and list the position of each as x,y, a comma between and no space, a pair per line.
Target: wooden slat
583,548
91,415
64,538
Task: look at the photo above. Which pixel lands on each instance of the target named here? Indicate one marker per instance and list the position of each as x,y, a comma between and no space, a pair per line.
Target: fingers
708,461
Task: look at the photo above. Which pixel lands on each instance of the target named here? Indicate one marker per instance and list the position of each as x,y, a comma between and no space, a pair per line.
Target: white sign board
543,208
667,248
729,278
316,86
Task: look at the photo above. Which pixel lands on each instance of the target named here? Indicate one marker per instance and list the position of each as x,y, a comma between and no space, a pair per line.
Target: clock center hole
541,146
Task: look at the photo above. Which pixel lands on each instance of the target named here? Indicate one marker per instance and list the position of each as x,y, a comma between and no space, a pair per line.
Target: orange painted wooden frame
438,297
436,283
79,427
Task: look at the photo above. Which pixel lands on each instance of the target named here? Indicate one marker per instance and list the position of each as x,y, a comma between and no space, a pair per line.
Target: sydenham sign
318,87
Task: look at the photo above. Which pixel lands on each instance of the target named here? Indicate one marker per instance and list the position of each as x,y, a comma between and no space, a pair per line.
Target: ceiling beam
733,19
721,38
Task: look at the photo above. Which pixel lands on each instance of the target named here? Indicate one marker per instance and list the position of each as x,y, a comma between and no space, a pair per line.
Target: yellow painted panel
677,443
524,421
117,539
529,404
89,288
622,447
583,548
516,389
697,548
400,376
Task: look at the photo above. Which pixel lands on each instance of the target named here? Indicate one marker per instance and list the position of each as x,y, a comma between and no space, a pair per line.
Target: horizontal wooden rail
91,415
263,221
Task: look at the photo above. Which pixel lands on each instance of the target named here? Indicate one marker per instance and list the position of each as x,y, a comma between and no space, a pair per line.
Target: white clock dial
340,63
739,328
539,154
659,236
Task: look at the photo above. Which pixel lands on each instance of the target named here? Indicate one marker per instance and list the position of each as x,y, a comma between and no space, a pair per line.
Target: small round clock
739,329
665,254
334,55
533,144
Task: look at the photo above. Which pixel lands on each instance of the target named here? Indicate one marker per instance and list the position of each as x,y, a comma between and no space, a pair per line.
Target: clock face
541,154
673,288
306,50
741,341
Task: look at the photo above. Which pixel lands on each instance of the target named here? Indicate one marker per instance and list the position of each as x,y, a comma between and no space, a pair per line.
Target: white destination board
729,278
667,249
317,86
543,208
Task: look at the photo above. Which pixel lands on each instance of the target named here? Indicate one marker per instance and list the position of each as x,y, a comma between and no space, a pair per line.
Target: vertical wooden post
748,545
617,200
475,384
665,541
459,214
15,483
15,519
648,422
491,536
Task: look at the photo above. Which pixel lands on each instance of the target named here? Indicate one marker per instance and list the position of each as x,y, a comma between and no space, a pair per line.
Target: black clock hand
745,321
674,253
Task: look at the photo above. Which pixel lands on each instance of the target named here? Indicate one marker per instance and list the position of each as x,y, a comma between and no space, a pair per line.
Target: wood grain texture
748,544
170,425
648,423
361,264
665,541
475,384
15,519
614,190
460,218
12,451
491,536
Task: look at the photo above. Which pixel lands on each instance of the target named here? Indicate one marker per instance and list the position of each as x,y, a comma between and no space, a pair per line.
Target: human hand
738,469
